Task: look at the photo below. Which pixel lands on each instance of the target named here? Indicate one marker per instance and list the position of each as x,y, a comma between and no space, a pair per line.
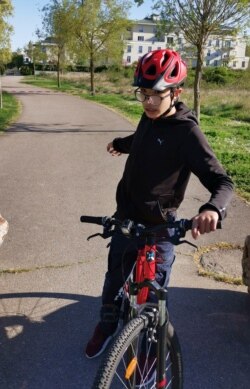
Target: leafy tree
87,29
58,22
6,29
6,10
16,60
199,19
99,29
36,53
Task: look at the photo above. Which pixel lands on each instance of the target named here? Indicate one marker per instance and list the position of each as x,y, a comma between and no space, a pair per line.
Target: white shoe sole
105,344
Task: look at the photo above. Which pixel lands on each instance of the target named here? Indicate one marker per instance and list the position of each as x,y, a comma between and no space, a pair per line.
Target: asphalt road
53,168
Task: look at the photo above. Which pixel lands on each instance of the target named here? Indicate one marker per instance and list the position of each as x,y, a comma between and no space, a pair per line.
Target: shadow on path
214,331
45,350
50,128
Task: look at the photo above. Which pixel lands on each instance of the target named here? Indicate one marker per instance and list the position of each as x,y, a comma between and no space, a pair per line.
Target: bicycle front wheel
131,361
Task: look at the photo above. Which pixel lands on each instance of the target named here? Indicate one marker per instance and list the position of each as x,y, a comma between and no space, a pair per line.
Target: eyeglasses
154,99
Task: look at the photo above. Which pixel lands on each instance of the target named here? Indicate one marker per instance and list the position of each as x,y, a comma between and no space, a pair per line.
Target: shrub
128,72
25,71
218,75
82,68
100,68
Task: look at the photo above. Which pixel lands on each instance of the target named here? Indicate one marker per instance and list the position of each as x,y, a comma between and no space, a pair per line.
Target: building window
140,28
179,41
149,49
140,49
227,43
208,53
170,40
234,64
207,62
243,64
215,62
140,38
128,59
129,49
210,42
158,48
217,44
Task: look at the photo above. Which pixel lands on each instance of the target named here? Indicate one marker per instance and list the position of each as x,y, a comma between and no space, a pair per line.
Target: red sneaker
98,343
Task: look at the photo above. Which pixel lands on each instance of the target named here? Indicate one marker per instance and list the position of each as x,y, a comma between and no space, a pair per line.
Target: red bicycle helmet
160,69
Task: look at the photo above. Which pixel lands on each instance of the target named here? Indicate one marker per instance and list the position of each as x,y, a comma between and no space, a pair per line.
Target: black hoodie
162,155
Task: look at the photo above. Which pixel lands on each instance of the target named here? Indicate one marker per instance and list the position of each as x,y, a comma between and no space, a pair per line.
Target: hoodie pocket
166,202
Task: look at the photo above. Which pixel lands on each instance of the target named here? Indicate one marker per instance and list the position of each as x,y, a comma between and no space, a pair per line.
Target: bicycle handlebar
132,229
128,226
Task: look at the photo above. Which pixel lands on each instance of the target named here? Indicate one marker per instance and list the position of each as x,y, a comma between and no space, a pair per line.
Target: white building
225,50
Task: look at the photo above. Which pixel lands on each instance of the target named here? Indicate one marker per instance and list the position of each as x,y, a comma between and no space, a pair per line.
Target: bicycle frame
154,318
138,294
145,269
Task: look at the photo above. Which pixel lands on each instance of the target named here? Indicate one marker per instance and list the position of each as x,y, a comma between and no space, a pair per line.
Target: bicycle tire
109,375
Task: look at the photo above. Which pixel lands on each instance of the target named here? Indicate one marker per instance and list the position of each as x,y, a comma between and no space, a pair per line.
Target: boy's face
155,103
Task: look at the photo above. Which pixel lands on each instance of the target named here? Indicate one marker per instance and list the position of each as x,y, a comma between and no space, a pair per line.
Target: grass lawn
9,111
225,116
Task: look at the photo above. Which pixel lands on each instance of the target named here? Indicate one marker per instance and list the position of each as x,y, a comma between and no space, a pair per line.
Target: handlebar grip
92,219
219,225
188,224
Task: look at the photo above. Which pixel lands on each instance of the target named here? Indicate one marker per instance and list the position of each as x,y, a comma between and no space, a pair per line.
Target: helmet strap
172,104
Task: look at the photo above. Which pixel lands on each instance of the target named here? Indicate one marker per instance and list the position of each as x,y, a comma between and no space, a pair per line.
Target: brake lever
105,235
94,236
187,242
176,238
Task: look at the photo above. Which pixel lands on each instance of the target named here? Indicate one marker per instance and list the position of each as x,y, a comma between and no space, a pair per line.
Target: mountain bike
146,353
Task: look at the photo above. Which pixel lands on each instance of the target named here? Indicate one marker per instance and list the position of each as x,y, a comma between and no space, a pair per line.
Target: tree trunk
197,81
58,71
92,86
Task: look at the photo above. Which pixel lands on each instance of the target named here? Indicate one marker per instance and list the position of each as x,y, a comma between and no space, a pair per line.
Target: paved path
53,168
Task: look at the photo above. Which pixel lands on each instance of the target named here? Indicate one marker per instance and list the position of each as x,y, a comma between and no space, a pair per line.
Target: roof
152,19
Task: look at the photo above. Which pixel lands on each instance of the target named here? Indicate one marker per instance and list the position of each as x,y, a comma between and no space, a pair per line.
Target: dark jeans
121,259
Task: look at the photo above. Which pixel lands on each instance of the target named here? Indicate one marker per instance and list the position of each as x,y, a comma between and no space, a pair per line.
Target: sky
27,19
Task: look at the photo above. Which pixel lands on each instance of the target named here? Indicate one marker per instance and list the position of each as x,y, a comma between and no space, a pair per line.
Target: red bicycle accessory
162,384
145,269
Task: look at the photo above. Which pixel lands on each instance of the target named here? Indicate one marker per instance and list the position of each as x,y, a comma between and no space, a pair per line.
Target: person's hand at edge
204,222
112,151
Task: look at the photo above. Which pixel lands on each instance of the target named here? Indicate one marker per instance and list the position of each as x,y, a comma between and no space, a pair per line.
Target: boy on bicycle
163,152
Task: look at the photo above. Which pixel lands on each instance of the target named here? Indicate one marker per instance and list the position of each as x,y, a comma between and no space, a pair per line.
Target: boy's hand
112,151
206,221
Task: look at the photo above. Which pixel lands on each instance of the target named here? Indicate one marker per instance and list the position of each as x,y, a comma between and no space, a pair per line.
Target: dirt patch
222,261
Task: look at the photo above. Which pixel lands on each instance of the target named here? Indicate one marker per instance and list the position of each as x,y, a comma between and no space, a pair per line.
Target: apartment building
228,51
224,50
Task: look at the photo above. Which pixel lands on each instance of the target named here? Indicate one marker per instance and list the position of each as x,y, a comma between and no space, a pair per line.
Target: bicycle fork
161,381
156,318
